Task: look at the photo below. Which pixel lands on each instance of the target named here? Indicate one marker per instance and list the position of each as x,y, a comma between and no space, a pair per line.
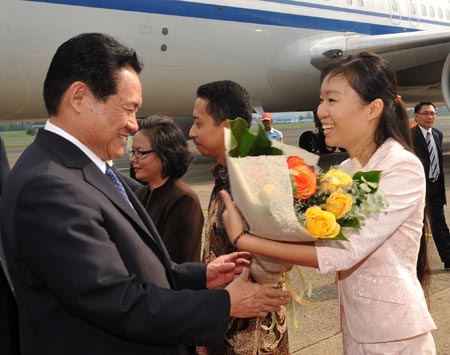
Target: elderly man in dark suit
90,272
428,146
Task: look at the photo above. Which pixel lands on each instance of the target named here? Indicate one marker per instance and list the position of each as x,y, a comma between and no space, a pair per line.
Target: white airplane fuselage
275,49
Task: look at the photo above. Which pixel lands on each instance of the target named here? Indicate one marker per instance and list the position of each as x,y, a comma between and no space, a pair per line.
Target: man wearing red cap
271,132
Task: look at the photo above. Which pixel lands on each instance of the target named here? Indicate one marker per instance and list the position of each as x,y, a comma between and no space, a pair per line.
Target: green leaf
373,177
245,143
340,236
293,184
241,138
350,222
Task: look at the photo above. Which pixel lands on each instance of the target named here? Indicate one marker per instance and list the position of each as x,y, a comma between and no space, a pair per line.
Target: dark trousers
9,326
440,231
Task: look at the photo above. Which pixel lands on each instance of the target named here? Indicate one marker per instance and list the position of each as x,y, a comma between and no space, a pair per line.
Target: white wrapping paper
262,190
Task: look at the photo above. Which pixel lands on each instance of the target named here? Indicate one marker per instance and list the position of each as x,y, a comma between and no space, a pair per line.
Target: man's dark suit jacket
421,150
4,165
9,330
91,273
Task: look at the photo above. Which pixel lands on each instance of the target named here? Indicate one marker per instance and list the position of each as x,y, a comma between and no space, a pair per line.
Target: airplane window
394,6
432,14
440,12
447,14
424,10
349,2
412,8
361,2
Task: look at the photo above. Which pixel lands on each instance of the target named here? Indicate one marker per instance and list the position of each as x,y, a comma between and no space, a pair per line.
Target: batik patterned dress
243,336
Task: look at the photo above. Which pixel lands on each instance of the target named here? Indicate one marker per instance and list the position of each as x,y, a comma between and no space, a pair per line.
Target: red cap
266,116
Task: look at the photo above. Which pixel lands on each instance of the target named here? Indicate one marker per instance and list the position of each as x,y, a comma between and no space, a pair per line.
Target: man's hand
226,268
253,300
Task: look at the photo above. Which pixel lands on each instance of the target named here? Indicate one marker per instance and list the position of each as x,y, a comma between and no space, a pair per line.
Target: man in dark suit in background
9,331
428,146
4,165
90,272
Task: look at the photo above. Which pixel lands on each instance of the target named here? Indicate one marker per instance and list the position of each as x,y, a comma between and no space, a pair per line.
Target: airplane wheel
323,147
327,150
308,141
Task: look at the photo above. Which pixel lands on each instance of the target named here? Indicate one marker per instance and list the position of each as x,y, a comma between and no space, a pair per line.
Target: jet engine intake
445,81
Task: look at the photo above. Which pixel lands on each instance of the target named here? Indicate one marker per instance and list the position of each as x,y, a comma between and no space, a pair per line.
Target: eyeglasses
426,113
139,154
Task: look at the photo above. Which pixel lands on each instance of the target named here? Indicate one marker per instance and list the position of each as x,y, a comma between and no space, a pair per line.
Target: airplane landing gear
308,141
315,141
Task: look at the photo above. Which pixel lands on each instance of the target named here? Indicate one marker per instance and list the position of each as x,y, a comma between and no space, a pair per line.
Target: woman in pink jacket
382,304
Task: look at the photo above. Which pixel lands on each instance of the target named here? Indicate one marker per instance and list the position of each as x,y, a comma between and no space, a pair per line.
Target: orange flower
303,178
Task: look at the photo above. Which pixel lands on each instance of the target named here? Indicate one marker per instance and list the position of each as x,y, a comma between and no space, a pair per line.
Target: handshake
247,299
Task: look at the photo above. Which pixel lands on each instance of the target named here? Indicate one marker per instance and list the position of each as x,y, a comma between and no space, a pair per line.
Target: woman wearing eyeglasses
160,157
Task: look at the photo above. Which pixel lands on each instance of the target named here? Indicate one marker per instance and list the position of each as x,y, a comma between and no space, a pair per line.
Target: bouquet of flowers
335,199
284,197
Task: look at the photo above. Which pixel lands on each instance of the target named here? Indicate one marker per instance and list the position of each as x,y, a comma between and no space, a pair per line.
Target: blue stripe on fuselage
237,14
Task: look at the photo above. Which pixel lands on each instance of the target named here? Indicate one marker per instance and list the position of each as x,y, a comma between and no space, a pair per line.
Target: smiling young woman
382,305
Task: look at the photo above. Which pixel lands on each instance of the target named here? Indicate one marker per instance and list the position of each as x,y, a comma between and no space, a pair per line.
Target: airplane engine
290,72
445,81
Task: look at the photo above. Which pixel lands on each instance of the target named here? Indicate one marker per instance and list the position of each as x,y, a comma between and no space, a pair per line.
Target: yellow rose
338,204
321,224
334,179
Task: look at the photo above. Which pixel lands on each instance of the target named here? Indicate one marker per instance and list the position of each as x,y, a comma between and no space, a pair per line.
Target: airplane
274,48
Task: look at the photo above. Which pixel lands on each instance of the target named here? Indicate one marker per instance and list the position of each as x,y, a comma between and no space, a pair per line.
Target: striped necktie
117,184
434,163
